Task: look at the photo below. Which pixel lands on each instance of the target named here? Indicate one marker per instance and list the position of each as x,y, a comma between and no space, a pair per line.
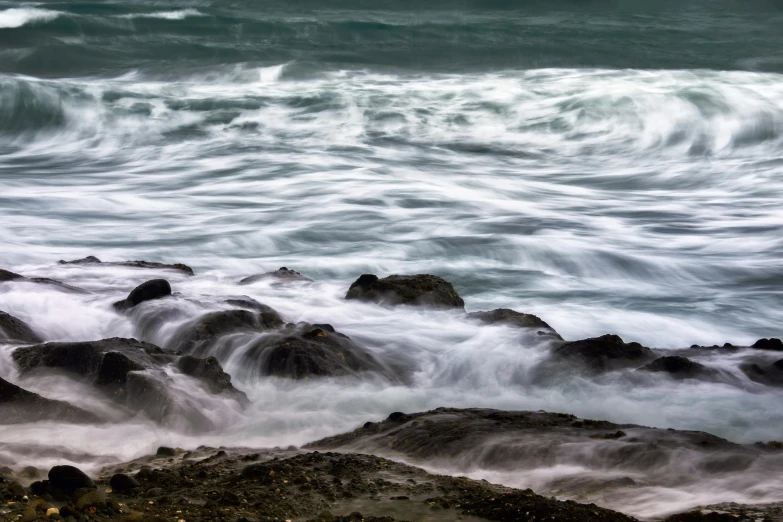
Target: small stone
52,511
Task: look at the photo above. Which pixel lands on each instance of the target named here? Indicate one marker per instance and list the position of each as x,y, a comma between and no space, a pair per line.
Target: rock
92,260
509,317
212,326
20,406
769,344
148,394
148,291
418,290
16,490
678,367
122,482
154,492
90,499
165,451
698,516
311,350
16,330
69,478
605,353
281,274
768,374
211,374
6,275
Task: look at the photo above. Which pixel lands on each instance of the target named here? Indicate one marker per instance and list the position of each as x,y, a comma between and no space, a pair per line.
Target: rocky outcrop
200,336
679,368
211,374
282,274
18,405
768,374
92,260
148,291
507,317
605,353
417,290
16,330
769,344
6,276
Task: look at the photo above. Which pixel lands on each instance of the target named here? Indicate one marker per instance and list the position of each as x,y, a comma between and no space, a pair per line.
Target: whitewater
639,200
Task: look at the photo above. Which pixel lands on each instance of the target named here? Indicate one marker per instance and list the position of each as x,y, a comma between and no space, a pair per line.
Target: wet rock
200,337
18,405
16,330
69,478
122,482
418,290
148,291
89,499
679,367
281,274
311,350
769,344
165,451
6,275
509,317
211,374
698,516
92,260
768,374
605,353
148,394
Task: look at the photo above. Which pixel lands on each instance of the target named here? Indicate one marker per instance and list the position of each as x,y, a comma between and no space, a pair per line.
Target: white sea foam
21,16
179,14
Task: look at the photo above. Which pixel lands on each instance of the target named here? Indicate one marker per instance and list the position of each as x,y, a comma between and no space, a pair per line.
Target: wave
18,17
166,15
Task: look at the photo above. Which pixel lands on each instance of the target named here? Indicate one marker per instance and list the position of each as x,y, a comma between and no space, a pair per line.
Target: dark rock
6,275
211,374
17,490
769,344
698,516
16,330
92,260
199,337
419,290
89,499
69,478
605,353
18,405
154,492
146,393
30,472
307,350
148,291
509,317
165,451
678,367
122,482
398,416
768,374
281,274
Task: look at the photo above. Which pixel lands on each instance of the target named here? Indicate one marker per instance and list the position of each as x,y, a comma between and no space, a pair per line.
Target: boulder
18,405
16,330
211,374
769,344
605,353
281,274
92,260
418,290
69,478
679,367
311,350
6,275
148,291
198,337
768,374
505,316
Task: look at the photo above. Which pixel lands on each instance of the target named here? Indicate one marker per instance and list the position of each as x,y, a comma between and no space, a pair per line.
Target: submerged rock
282,274
148,291
769,344
768,374
605,353
509,317
679,367
92,260
18,405
200,336
16,330
211,374
418,290
6,276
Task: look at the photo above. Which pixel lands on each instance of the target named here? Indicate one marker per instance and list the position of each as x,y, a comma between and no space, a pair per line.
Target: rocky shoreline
367,470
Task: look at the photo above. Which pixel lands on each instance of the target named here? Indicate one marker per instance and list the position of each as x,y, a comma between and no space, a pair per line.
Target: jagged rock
509,317
69,478
309,350
769,344
211,374
419,290
16,330
679,367
18,405
92,260
605,353
282,274
148,291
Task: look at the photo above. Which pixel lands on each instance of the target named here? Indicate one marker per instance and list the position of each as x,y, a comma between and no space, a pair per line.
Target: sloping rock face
92,260
605,353
507,317
417,290
679,367
128,371
147,291
6,276
16,330
282,274
18,405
